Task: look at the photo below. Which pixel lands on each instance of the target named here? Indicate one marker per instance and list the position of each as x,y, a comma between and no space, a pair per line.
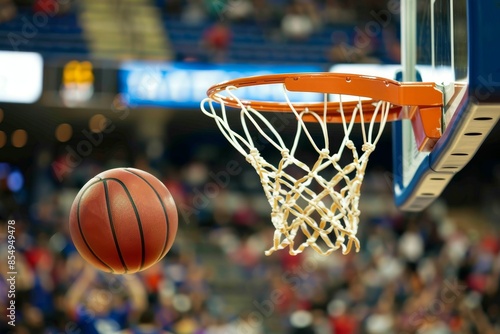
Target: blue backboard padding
484,50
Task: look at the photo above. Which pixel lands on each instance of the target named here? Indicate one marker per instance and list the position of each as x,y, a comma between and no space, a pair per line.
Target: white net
323,217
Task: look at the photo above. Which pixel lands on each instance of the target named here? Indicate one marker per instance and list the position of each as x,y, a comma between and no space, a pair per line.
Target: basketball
123,220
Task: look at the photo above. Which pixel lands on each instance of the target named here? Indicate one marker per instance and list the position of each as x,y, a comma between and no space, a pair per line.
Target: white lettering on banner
142,83
202,80
176,86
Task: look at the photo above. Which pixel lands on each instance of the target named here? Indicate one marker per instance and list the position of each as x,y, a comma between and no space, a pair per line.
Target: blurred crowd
316,12
334,29
338,24
9,8
429,273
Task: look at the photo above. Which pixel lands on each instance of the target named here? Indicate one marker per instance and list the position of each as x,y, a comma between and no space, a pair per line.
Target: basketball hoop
333,211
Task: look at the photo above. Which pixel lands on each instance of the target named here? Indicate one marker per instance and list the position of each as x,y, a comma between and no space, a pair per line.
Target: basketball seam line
162,253
137,216
80,227
112,225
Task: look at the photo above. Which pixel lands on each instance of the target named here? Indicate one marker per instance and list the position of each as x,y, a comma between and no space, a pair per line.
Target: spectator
93,307
52,7
338,12
240,10
341,319
245,324
146,324
411,246
382,320
216,40
194,12
7,10
320,322
297,24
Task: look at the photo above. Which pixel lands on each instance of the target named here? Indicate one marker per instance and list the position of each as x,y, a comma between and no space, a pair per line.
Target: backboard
458,41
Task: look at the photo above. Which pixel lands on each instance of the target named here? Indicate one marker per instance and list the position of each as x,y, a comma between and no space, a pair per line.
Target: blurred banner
79,83
184,85
21,77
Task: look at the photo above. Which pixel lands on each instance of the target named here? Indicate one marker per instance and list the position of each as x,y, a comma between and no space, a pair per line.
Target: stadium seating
66,35
251,44
61,35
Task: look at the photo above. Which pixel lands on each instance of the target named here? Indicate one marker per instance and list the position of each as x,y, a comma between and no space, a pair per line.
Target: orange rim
414,94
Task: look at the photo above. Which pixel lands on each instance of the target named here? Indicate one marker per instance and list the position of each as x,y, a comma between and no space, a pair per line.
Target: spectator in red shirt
216,40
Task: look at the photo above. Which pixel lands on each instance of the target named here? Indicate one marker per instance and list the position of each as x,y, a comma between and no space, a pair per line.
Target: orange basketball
123,220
